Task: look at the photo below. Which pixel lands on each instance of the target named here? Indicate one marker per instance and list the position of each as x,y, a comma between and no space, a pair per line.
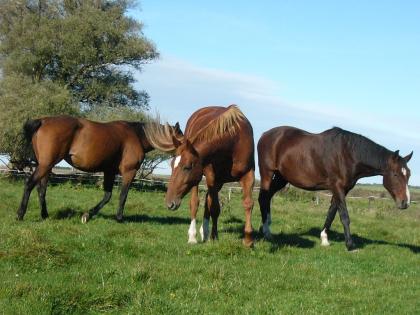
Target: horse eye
187,168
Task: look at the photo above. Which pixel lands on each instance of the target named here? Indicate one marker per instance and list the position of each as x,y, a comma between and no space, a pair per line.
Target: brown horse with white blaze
219,144
116,147
333,160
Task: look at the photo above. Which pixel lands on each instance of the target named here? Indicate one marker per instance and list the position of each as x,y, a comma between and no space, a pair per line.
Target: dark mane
137,126
139,129
365,150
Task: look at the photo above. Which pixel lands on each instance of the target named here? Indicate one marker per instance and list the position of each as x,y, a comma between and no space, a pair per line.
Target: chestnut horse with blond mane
219,144
116,147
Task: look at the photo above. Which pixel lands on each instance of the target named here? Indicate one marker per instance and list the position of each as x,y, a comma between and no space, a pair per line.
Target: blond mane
160,136
227,122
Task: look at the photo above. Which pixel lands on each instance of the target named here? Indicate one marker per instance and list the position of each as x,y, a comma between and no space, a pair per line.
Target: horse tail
28,158
30,127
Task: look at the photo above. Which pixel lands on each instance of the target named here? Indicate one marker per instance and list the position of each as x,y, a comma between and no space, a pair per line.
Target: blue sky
310,64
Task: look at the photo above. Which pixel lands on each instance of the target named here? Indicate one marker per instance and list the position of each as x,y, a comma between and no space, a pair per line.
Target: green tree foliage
67,57
21,99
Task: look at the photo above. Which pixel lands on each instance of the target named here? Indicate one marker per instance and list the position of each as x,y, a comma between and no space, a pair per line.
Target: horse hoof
192,241
248,243
19,218
44,216
119,219
268,236
325,243
353,250
85,218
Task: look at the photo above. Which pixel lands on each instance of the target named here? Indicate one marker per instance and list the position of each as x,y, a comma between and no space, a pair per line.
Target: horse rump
30,127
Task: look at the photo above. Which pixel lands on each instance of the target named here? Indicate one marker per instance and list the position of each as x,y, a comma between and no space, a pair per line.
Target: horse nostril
171,205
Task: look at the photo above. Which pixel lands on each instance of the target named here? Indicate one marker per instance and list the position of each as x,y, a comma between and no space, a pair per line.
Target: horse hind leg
332,211
127,178
108,185
42,191
194,204
40,171
271,183
247,183
211,209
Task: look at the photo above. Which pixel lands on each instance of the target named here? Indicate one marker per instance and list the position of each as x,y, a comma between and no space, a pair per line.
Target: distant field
145,266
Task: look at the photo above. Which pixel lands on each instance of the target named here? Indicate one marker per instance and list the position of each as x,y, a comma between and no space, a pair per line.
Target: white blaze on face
407,191
176,161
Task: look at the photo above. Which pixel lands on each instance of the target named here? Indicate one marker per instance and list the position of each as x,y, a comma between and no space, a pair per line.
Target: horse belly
304,177
92,159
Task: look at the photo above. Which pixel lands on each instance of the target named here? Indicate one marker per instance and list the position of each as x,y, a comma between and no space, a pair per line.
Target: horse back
232,153
87,145
306,160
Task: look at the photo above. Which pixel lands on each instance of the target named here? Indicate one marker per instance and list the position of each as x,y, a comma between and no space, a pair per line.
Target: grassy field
145,266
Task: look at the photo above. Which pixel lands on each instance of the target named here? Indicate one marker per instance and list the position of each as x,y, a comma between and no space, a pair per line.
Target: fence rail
157,185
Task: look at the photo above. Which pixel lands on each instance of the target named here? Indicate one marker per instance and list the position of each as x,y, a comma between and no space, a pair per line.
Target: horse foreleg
127,178
42,191
247,183
31,181
204,230
214,205
108,185
211,208
194,203
345,220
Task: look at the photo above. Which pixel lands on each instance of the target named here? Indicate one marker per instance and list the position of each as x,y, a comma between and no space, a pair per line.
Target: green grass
145,266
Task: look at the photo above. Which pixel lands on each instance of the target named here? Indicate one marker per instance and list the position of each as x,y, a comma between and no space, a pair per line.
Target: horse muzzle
173,205
403,204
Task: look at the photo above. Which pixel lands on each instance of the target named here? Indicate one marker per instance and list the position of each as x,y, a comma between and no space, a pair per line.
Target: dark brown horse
116,147
218,143
332,160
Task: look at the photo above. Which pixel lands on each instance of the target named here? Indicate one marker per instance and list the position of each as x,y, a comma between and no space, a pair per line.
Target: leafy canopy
67,57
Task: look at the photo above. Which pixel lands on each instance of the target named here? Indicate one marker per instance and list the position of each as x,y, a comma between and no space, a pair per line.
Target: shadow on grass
361,242
68,213
277,241
140,218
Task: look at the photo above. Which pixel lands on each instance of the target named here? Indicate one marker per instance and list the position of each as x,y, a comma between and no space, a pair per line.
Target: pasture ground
145,266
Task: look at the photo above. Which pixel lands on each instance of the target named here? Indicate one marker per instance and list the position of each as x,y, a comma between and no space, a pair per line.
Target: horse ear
396,155
175,141
408,157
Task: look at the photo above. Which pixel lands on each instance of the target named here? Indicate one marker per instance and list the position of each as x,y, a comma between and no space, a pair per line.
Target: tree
80,44
67,56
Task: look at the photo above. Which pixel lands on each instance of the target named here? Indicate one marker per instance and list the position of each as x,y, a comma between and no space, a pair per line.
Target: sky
308,64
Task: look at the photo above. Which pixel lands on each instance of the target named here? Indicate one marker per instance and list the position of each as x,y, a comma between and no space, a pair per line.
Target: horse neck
142,137
372,161
208,149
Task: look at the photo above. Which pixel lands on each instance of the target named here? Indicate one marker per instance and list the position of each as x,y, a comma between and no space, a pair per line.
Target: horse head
187,171
395,179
